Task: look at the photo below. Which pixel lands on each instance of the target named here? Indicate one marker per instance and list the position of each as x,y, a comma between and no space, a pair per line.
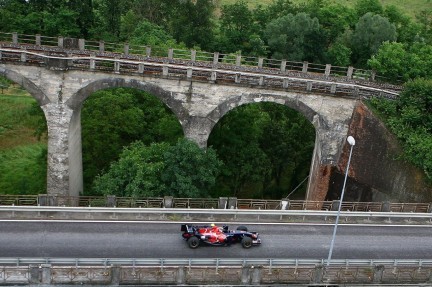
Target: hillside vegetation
410,7
265,149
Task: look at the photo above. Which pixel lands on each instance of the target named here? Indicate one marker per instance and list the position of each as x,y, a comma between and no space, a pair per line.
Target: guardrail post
15,37
111,200
223,202
335,205
140,68
245,275
215,58
38,39
23,57
101,46
232,203
35,274
92,62
148,51
260,62
193,55
117,66
46,274
213,76
283,66
327,70
237,78
168,201
238,60
378,273
285,83
305,67
181,275
189,73
333,88
170,53
126,48
350,72
385,207
309,86
261,81
256,275
81,44
165,71
318,274
60,40
45,200
373,74
115,275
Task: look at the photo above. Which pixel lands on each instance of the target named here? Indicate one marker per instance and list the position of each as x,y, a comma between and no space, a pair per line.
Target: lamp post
351,141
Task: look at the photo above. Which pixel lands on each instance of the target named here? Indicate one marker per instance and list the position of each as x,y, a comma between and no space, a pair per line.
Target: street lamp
351,141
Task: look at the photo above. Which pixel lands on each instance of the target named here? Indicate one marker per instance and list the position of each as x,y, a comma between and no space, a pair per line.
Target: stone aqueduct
62,75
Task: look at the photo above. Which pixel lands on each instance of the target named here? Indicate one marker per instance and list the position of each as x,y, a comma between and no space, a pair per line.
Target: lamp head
351,140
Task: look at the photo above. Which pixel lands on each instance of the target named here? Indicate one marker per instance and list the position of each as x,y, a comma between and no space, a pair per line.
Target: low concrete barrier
47,274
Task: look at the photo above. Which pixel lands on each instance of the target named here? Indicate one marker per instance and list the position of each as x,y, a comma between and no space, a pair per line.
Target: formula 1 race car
218,236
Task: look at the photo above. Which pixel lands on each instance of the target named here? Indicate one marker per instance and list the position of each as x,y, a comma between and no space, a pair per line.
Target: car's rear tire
193,242
246,242
242,228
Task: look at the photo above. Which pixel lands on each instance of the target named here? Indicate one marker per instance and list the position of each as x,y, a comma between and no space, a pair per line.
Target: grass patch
23,169
411,7
23,157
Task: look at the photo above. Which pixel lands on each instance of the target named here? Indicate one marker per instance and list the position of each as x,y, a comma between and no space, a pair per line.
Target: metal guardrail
208,203
190,214
15,261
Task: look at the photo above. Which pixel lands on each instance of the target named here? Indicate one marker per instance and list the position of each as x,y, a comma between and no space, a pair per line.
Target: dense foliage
410,119
132,143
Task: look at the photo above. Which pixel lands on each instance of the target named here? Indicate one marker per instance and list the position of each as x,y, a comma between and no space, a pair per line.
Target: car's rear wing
186,228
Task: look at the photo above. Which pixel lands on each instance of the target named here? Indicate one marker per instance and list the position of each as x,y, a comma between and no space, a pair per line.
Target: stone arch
236,101
27,84
166,97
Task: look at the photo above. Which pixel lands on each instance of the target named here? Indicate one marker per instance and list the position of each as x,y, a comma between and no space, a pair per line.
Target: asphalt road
163,240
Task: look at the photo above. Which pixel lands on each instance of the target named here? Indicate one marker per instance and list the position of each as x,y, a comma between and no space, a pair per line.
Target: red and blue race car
218,236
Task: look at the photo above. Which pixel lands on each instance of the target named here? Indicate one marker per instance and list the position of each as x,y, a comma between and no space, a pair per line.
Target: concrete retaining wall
46,274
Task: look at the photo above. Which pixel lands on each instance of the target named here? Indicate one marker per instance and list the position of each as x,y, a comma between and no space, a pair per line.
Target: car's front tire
193,242
246,242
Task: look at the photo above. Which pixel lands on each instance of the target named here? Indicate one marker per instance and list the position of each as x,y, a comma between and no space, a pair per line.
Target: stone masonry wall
376,171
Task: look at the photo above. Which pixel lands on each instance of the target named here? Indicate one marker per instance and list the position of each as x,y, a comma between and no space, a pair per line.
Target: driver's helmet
212,225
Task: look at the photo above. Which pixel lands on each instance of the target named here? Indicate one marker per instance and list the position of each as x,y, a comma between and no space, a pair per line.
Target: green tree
368,6
137,172
370,32
237,27
295,37
114,118
191,23
190,171
339,55
397,61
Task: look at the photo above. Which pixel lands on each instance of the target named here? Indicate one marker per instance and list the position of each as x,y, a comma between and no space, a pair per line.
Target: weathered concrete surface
376,172
248,275
197,105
